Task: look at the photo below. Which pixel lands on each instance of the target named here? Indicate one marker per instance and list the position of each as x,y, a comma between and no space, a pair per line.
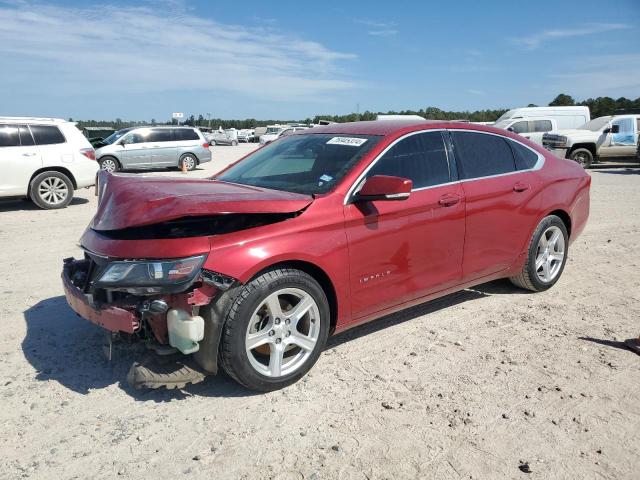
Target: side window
542,126
626,135
482,155
185,134
25,136
287,132
520,127
133,138
9,136
47,135
421,158
159,135
525,158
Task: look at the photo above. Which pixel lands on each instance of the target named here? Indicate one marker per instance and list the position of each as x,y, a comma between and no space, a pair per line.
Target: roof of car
391,127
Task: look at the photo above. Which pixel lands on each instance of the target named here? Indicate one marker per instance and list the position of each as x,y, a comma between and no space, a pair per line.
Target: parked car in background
534,122
44,160
153,147
271,133
245,135
268,138
317,233
603,138
226,137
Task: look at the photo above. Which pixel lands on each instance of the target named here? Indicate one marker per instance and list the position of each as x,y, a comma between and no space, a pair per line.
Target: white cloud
378,28
532,42
602,75
161,46
473,91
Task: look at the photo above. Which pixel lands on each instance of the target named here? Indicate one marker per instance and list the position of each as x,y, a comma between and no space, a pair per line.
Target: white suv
45,160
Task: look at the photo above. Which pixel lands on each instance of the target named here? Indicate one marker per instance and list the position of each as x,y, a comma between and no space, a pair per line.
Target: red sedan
318,232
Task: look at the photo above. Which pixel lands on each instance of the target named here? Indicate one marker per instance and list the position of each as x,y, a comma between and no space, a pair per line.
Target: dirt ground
487,383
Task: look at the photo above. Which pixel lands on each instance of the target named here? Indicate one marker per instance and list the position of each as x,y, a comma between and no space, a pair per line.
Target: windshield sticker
326,178
351,141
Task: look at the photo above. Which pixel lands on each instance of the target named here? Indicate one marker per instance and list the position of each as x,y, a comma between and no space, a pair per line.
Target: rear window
9,136
525,158
47,134
159,135
482,155
185,134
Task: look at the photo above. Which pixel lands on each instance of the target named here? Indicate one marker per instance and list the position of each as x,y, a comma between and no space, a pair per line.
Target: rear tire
234,143
582,156
546,256
51,190
275,330
189,160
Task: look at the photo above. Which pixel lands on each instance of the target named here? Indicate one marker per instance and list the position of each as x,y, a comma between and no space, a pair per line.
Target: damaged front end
159,302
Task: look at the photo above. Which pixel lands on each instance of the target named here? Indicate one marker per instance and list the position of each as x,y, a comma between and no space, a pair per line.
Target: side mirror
121,143
384,187
511,129
615,128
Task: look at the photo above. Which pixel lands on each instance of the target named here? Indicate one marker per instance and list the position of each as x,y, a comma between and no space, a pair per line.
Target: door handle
28,154
521,187
448,200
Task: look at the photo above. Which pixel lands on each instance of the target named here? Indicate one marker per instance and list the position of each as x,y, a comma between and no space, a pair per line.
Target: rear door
19,159
402,250
162,147
187,140
499,200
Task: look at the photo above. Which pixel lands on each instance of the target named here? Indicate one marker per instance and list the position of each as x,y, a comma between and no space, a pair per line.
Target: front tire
582,157
109,164
51,190
547,256
275,330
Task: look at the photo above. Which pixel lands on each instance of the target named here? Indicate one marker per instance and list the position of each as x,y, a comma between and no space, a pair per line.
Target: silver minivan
153,147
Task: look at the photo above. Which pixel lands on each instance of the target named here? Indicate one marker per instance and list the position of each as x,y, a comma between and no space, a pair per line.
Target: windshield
115,136
309,164
596,124
505,116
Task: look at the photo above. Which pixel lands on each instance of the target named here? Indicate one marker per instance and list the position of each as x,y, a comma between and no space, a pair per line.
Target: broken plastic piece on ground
633,344
174,371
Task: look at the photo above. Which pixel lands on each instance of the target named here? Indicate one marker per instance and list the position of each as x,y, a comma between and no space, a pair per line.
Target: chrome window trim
355,186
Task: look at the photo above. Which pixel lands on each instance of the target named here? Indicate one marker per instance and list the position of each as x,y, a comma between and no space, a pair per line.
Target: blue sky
293,59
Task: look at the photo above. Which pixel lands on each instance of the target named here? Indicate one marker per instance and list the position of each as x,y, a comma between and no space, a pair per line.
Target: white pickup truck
603,138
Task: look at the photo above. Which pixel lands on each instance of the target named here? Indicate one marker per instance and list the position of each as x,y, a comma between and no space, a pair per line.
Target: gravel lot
486,383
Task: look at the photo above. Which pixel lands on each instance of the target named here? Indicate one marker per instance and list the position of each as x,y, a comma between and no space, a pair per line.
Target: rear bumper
112,318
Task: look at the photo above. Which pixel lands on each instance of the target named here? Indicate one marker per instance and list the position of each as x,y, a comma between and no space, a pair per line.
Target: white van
533,122
44,160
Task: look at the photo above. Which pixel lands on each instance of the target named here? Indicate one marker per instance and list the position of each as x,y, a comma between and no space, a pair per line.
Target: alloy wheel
189,162
550,254
53,191
282,332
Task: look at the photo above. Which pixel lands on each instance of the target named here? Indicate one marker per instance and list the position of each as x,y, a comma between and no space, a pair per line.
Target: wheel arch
320,276
564,216
589,146
110,156
62,170
190,153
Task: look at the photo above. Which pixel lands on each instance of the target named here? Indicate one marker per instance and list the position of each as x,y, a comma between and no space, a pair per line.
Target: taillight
90,153
205,145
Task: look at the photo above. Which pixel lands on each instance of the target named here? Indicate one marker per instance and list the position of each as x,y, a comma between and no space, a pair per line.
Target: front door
134,150
402,250
625,142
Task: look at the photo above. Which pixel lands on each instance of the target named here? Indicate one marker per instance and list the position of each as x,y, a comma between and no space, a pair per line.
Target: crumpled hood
131,200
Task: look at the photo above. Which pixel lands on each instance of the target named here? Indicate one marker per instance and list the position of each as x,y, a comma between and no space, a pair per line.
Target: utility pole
209,117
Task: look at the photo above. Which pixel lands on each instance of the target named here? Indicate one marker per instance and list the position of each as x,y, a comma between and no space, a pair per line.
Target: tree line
599,106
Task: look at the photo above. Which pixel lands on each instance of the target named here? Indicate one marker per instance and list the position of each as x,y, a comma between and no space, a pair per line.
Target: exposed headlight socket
218,280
